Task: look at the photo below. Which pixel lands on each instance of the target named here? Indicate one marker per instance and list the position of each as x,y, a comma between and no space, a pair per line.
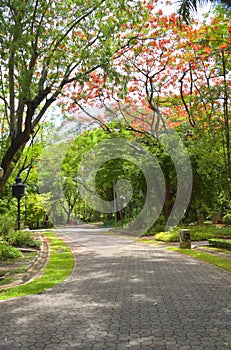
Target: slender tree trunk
226,122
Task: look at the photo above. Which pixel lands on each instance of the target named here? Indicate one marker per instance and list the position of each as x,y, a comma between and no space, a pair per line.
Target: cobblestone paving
123,295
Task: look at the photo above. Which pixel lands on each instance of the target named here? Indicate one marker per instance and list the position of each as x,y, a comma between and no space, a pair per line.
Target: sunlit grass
59,267
149,241
207,257
218,250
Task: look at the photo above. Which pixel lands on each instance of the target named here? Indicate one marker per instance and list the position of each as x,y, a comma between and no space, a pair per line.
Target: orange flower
207,49
223,46
229,28
151,7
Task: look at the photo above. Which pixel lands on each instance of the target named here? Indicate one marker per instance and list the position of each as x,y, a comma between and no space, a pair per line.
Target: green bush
203,233
227,219
224,231
9,252
220,243
7,224
197,233
168,236
158,226
23,239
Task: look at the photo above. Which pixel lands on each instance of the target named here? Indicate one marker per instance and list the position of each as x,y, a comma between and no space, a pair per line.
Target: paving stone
123,295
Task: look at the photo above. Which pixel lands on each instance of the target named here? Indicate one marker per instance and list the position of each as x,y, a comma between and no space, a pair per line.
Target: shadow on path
123,295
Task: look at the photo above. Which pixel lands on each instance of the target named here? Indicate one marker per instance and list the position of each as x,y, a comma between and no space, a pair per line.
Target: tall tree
46,45
178,74
205,91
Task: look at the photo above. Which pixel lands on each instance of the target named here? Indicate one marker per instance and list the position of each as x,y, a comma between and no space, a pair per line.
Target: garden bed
11,269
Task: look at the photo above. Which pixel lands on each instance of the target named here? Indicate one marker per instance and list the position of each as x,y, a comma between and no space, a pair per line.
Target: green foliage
46,45
220,243
208,176
224,231
58,268
115,169
9,252
7,224
37,205
197,233
158,226
227,219
23,239
168,236
110,172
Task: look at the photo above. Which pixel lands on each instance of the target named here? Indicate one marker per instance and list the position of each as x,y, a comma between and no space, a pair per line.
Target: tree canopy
119,65
172,78
186,8
46,45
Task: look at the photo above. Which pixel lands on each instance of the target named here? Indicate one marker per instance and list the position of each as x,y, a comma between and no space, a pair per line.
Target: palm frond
186,8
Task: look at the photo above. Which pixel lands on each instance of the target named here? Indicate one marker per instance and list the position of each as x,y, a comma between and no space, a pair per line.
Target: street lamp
18,191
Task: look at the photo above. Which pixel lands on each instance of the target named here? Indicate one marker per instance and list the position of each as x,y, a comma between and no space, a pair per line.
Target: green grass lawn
59,267
207,257
197,233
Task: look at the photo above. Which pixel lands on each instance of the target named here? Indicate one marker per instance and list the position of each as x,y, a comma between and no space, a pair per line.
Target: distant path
123,295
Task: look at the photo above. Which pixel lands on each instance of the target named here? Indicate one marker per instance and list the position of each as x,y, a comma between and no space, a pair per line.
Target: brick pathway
123,295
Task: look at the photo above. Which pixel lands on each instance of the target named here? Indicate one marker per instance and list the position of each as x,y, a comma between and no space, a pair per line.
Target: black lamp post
18,191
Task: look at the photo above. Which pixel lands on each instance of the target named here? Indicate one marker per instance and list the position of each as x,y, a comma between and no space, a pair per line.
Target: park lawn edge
212,259
58,268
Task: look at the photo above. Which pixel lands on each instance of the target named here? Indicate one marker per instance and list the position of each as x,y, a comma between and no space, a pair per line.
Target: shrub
197,233
168,236
159,225
227,219
23,239
9,252
220,243
203,233
7,224
224,231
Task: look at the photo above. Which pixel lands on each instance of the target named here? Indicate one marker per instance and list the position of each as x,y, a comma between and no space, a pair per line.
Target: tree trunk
12,155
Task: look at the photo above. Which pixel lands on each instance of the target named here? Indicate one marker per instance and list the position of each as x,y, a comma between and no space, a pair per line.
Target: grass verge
216,250
146,240
58,269
207,257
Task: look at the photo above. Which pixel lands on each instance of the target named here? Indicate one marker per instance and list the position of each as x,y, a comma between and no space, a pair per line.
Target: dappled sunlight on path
123,295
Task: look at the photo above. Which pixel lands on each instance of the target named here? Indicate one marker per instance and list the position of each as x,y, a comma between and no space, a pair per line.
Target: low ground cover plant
59,267
9,252
7,224
23,239
220,243
197,233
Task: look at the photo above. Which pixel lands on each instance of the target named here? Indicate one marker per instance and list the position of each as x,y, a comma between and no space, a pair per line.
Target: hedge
220,243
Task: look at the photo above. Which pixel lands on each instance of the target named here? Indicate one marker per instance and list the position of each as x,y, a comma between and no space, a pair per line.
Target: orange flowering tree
204,97
162,72
172,76
143,75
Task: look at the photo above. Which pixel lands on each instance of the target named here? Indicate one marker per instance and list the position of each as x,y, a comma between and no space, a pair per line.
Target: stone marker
185,239
201,219
217,218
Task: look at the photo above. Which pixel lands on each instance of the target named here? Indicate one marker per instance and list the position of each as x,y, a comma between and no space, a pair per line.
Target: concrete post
185,239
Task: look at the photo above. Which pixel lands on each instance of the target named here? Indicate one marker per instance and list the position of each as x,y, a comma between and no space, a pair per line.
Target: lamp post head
18,189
